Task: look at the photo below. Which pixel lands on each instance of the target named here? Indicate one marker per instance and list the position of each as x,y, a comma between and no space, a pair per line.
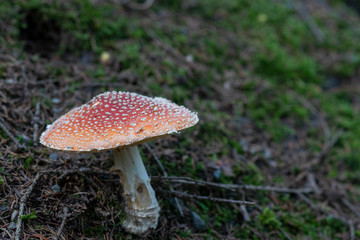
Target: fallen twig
187,180
312,182
65,215
36,121
213,199
351,229
245,213
285,234
308,201
3,228
324,151
329,144
67,172
325,211
23,203
176,54
31,187
304,14
177,204
10,135
314,110
350,206
140,6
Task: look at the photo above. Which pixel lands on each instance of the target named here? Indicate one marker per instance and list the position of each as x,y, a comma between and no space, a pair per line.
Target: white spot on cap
100,118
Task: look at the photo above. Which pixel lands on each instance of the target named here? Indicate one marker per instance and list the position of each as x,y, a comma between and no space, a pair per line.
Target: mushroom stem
141,207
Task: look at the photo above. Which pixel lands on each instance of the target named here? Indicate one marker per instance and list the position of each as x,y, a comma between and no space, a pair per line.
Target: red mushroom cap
115,119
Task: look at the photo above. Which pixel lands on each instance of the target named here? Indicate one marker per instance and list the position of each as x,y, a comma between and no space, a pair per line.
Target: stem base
141,206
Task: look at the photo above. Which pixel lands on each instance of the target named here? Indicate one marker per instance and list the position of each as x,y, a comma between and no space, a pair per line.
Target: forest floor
276,86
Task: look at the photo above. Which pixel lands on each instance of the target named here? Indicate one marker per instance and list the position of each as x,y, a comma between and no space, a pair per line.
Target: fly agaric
120,121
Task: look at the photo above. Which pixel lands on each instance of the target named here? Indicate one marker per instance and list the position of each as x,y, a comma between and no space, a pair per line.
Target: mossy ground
269,93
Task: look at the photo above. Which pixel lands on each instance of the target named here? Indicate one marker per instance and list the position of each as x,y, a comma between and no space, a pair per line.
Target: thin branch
330,144
10,135
9,58
23,203
351,229
187,180
175,53
31,187
36,121
350,206
67,172
62,225
7,232
308,201
156,159
324,151
177,204
213,199
285,234
314,110
304,14
245,213
324,210
140,6
312,182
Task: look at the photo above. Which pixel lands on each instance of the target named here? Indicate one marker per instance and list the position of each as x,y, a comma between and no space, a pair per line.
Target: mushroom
120,121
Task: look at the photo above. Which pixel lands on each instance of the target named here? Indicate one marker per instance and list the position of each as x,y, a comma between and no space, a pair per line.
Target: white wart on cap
114,119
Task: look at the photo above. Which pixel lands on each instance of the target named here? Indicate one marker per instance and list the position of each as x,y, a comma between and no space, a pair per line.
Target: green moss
250,174
2,181
29,216
95,231
273,108
3,134
27,162
276,63
185,234
269,219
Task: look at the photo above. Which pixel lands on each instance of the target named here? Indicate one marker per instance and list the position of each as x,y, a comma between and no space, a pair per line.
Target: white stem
141,207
